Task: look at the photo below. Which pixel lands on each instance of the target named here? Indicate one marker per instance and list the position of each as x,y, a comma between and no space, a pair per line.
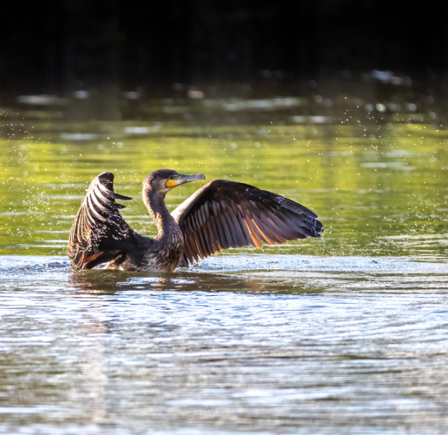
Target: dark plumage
222,214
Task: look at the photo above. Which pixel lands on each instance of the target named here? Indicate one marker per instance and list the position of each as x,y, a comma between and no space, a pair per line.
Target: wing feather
239,237
224,214
99,233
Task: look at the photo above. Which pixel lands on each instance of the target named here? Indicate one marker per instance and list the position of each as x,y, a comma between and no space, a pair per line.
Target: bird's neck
155,203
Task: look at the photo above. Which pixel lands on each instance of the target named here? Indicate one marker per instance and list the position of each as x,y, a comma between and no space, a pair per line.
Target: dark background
224,47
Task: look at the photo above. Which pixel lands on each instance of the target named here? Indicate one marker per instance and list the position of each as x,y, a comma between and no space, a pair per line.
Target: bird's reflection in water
111,282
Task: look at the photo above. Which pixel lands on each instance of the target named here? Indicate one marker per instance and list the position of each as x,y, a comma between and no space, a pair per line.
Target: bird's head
163,180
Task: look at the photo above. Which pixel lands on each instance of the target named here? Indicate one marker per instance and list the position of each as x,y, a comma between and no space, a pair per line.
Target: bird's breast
162,257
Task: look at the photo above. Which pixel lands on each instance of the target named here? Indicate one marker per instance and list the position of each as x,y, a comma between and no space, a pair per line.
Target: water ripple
259,343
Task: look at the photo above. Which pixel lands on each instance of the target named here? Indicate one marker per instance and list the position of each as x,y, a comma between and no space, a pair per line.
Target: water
347,334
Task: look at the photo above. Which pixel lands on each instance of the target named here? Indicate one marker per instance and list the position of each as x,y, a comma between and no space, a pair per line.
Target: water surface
346,334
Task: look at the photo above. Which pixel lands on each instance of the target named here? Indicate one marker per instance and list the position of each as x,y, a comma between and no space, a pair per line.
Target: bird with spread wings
222,214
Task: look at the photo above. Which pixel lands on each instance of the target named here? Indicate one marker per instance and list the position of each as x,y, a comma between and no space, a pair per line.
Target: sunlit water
347,334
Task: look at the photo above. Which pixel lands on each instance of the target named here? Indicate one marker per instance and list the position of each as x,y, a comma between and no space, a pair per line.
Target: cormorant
221,214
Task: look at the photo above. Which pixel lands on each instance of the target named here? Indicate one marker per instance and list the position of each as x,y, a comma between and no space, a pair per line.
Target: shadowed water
347,334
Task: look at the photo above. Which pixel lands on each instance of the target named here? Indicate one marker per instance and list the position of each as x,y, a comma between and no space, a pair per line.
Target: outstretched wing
99,233
225,214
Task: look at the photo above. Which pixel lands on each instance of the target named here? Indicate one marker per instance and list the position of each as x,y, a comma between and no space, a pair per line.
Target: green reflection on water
376,194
